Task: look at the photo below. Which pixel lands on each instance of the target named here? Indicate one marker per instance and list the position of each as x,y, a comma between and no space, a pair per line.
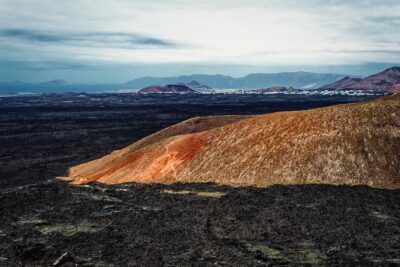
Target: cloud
386,20
362,51
45,65
212,32
122,40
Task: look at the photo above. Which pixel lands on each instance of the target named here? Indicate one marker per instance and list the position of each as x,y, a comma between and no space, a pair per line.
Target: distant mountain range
385,81
302,80
52,82
56,86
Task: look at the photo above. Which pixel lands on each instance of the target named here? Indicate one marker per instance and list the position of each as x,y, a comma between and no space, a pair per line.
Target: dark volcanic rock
198,224
177,225
167,89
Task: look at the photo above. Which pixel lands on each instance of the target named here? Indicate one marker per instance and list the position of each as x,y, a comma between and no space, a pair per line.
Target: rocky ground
198,225
53,223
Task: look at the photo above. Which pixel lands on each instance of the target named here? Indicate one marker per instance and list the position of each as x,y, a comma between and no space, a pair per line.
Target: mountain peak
194,83
394,68
383,81
56,82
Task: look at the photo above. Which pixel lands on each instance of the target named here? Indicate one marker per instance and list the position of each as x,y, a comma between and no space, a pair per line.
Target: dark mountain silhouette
195,85
55,82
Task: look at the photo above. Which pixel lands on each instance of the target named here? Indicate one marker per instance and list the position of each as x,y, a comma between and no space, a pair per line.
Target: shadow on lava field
197,224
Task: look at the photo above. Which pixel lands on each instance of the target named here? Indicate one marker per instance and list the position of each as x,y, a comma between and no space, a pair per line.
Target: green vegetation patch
301,255
33,221
310,256
98,197
68,229
215,194
380,215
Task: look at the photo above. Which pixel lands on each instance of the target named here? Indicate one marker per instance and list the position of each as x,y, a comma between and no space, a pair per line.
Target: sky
99,41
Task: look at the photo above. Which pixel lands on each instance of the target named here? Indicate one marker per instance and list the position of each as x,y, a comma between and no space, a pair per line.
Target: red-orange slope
345,144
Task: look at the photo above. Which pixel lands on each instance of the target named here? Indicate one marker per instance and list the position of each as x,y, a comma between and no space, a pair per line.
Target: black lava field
46,222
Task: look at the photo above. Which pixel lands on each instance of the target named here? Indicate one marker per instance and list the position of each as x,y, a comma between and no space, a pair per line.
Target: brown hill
170,88
393,89
344,83
344,144
382,81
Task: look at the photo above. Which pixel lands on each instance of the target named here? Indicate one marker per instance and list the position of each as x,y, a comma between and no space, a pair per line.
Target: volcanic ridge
344,144
386,81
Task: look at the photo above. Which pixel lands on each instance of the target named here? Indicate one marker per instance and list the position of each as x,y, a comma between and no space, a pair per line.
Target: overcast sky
116,40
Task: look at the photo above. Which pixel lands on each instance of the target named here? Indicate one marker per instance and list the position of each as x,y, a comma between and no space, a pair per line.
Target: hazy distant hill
300,80
196,85
56,82
305,80
56,86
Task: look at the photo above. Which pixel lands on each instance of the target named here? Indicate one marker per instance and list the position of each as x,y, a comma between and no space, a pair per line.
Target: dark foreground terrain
44,222
42,136
198,225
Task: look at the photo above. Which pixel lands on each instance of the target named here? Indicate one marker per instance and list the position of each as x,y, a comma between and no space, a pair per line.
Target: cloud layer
106,39
252,32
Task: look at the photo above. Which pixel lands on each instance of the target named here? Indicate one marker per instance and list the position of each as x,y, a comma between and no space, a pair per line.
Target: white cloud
240,32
